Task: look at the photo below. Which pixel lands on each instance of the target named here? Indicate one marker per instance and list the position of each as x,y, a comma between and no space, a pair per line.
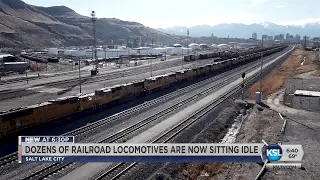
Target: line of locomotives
17,119
223,55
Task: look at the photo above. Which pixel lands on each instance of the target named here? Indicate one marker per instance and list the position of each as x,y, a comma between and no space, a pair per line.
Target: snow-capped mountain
245,31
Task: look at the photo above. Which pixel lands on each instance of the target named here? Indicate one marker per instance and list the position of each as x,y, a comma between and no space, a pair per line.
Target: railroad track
127,132
122,168
11,158
124,73
22,79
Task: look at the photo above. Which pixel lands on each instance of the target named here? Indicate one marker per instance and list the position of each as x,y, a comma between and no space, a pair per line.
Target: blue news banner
63,149
180,159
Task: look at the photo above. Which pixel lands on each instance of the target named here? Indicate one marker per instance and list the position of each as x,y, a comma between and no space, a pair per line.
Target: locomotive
17,119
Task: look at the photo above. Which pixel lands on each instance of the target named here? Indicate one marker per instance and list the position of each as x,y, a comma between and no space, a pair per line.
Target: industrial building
4,56
116,53
15,66
254,36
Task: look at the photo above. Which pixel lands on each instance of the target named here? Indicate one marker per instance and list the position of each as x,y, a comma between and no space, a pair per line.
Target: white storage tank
157,51
89,53
194,46
53,51
78,53
203,46
177,45
186,50
223,46
68,52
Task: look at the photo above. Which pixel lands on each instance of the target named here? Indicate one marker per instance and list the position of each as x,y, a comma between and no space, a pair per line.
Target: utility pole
79,75
305,41
188,37
93,20
151,59
261,78
182,59
27,76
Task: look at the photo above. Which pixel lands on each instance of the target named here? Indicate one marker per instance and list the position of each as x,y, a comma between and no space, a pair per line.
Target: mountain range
23,25
244,31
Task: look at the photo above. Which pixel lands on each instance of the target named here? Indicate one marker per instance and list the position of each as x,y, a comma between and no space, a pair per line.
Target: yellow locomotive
24,117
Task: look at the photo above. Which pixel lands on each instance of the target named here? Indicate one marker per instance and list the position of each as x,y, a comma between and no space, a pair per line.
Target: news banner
59,149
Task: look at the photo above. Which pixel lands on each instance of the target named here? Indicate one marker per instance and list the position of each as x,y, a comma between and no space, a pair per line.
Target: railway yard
158,102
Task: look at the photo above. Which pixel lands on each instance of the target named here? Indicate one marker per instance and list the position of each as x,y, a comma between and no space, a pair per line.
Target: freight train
24,117
223,55
34,58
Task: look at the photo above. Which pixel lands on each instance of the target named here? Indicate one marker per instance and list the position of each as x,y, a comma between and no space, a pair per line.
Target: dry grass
316,73
35,66
292,66
194,170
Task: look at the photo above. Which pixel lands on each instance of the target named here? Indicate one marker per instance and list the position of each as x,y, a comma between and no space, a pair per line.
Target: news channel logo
272,152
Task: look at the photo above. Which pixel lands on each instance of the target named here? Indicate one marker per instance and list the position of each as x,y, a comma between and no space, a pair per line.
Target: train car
192,57
187,58
234,61
17,119
202,70
190,73
86,101
133,90
203,56
169,79
241,59
153,84
181,75
48,111
117,92
14,120
101,98
228,63
209,68
66,105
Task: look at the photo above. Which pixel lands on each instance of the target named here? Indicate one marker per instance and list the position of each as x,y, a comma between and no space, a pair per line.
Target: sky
168,13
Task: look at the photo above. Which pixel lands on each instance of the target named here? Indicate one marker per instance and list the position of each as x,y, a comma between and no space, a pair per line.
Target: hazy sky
167,13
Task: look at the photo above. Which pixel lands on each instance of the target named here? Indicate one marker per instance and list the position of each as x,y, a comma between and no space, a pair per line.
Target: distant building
281,36
3,57
317,39
254,36
264,36
287,36
277,37
15,66
270,38
298,37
